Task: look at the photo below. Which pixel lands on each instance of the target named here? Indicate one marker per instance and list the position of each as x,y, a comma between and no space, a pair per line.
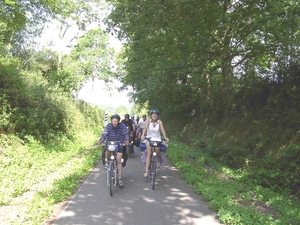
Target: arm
162,129
104,135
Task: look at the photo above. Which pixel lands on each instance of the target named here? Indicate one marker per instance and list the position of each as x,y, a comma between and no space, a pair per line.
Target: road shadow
172,201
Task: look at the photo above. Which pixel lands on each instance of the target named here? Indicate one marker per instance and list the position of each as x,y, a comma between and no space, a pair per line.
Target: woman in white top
153,128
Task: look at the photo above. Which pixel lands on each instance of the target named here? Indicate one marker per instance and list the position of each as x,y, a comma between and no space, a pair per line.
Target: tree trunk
228,85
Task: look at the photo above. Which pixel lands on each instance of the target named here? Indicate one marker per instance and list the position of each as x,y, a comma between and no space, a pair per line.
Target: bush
44,111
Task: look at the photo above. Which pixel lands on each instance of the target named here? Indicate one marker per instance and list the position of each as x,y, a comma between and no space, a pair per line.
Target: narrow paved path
172,202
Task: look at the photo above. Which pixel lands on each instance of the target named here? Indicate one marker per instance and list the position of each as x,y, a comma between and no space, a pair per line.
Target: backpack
124,157
137,142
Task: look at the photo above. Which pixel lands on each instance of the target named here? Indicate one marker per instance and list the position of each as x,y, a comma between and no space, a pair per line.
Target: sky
92,92
96,93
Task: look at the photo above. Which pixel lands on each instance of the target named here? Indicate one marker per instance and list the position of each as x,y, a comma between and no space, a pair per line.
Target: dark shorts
120,149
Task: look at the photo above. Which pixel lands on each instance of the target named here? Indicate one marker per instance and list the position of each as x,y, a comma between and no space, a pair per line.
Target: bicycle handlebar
149,139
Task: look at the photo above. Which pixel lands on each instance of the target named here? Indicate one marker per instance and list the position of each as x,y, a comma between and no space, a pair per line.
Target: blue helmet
115,116
154,111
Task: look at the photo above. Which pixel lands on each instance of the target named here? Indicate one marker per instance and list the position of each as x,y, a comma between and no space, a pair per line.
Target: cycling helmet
144,116
154,111
126,115
115,116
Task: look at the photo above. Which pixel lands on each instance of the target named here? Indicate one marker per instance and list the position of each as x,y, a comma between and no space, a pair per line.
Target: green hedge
228,194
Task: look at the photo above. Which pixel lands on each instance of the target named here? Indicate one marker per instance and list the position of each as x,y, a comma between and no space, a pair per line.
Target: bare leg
119,164
157,150
148,158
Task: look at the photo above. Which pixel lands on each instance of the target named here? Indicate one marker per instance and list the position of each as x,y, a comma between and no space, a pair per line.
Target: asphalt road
172,202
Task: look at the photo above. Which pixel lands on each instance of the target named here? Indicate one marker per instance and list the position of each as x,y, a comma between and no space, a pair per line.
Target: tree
189,54
91,58
121,110
25,19
82,15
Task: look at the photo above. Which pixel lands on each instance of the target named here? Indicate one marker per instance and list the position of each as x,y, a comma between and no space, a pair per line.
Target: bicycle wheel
103,157
110,177
153,171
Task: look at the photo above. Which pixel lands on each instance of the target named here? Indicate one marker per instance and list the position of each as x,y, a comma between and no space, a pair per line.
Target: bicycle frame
112,149
152,166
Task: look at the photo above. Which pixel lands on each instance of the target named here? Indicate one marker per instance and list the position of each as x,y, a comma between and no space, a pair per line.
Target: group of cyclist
118,131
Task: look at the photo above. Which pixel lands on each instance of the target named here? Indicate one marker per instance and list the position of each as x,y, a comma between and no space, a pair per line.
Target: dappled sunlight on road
148,199
172,201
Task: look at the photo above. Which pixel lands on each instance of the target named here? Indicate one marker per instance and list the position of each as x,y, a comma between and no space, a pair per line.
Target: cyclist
153,127
141,125
128,122
116,131
133,119
131,128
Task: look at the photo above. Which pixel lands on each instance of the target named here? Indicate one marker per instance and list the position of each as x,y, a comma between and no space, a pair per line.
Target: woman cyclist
153,127
116,131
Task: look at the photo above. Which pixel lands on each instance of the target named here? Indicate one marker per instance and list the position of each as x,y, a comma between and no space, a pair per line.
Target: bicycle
152,166
112,171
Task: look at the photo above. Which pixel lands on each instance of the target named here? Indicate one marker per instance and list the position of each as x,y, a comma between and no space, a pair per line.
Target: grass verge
27,165
42,204
235,202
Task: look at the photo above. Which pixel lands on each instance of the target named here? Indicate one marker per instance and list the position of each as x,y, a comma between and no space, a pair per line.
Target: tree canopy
191,54
37,83
224,75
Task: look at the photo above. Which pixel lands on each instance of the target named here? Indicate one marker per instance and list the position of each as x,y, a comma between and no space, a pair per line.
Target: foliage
5,114
187,63
122,110
43,202
90,58
140,110
25,19
42,110
223,78
227,192
36,88
25,164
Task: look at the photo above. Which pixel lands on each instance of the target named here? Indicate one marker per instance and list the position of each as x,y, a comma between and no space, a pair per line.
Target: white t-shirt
142,123
134,121
154,132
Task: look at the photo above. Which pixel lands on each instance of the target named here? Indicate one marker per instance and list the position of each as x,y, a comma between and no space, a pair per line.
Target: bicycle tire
150,169
110,173
103,157
153,172
130,148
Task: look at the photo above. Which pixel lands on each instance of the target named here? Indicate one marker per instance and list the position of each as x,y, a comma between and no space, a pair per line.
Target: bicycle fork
152,162
113,177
